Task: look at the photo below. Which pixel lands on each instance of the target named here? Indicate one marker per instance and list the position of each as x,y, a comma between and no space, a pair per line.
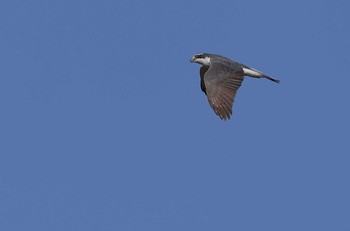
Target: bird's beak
192,59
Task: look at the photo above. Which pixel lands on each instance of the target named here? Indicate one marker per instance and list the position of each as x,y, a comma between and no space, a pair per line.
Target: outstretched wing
221,85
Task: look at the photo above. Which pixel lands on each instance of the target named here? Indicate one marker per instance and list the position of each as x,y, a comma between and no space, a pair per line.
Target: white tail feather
252,72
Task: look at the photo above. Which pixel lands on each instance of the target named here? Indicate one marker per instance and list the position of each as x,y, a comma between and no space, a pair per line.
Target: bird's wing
201,73
221,84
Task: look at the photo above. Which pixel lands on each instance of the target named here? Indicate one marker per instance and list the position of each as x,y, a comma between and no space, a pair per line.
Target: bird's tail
257,74
270,78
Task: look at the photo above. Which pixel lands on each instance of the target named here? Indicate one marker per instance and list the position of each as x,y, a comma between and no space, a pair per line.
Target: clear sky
103,125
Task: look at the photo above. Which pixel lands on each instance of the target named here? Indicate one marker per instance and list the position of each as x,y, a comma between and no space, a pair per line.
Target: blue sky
104,126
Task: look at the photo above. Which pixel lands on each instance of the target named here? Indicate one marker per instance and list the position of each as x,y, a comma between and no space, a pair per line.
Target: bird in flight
220,79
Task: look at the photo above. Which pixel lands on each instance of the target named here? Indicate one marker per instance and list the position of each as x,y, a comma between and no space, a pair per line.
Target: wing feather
221,83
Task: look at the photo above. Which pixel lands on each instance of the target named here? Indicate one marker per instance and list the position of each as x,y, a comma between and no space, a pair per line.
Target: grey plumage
220,78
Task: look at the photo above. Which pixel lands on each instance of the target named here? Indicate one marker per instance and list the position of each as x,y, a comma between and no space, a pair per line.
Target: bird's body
220,79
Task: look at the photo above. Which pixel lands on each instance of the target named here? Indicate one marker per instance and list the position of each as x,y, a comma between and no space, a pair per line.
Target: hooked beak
192,59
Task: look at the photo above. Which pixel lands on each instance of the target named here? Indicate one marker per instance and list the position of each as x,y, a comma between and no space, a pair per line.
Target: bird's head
203,59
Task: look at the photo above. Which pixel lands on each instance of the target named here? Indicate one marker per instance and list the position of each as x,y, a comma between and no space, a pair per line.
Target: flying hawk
220,79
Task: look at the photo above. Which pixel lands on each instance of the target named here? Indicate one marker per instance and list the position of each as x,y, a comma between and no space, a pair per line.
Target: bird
220,78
